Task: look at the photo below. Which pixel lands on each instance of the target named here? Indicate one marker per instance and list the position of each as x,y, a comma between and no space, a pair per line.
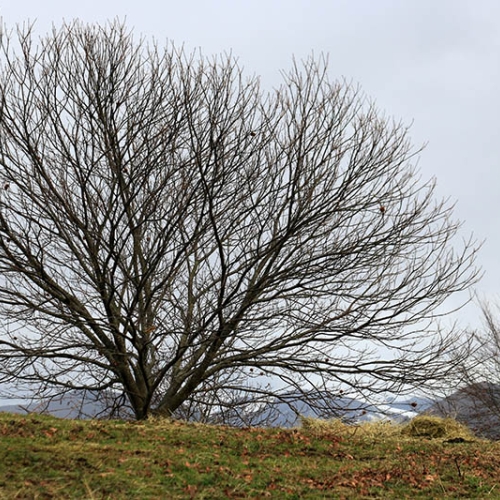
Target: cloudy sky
434,64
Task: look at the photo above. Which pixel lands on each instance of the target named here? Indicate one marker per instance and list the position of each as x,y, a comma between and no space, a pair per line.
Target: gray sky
433,63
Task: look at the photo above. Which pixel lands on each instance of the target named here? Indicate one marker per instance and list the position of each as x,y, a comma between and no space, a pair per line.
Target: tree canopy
172,233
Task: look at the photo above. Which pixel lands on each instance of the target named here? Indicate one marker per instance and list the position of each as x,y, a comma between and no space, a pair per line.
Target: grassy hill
47,458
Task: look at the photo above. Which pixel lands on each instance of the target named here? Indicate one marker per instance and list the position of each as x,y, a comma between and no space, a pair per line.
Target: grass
43,457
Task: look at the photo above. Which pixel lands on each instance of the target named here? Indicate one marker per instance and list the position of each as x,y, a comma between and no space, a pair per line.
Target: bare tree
483,364
476,397
171,232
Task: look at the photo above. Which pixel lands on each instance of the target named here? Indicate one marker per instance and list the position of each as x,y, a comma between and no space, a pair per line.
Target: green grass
47,458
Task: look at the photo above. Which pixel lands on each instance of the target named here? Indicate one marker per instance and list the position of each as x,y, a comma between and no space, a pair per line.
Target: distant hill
71,405
284,411
477,406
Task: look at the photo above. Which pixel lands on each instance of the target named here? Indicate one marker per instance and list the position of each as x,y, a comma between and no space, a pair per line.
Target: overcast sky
434,64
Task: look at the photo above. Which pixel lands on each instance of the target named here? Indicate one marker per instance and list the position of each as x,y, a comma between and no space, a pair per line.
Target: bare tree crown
169,229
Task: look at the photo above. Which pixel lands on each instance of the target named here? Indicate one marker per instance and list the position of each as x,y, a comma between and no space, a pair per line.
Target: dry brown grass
428,426
423,426
380,429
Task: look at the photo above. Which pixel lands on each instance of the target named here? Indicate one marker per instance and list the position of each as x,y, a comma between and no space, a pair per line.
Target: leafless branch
166,227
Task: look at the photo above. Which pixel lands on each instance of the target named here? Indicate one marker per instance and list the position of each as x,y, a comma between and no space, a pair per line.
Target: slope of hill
44,457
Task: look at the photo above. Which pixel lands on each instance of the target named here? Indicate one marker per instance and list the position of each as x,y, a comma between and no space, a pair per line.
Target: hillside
44,457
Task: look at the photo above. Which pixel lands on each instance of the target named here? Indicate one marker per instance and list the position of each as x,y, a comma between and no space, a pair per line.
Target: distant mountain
410,403
403,410
283,411
476,405
286,410
73,404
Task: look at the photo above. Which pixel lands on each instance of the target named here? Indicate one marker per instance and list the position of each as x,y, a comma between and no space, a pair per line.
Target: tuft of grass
428,426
